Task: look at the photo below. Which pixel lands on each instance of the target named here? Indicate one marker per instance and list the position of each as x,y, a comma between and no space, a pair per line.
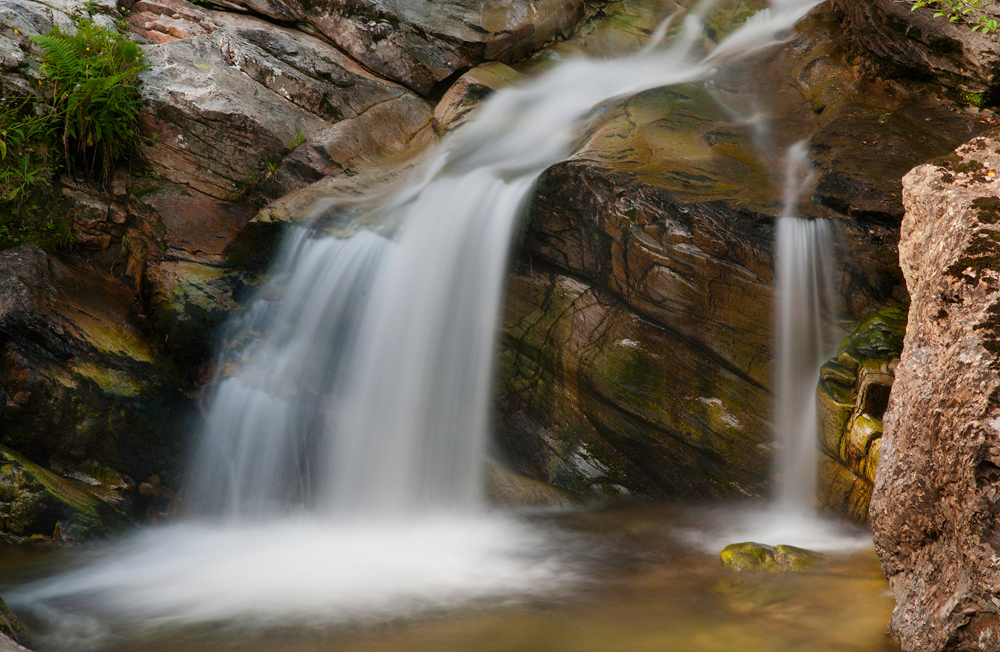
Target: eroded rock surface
87,400
851,399
936,501
897,40
637,339
419,43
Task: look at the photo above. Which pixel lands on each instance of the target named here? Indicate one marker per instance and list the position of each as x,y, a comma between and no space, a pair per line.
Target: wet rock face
636,350
86,399
936,500
898,40
851,399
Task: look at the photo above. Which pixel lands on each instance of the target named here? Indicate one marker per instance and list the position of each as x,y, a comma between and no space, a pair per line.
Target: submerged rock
937,490
510,489
851,399
750,556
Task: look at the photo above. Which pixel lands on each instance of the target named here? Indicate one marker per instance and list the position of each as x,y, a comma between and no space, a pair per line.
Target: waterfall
805,293
344,443
371,392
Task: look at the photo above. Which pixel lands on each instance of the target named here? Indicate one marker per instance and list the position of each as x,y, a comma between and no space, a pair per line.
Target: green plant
94,78
955,10
84,118
986,25
297,139
977,100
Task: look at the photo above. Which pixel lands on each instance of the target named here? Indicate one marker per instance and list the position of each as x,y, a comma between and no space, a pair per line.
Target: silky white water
339,474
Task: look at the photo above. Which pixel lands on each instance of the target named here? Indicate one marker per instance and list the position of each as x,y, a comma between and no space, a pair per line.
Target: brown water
643,590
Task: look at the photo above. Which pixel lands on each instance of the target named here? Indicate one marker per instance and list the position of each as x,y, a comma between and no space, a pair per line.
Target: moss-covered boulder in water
852,396
750,556
86,399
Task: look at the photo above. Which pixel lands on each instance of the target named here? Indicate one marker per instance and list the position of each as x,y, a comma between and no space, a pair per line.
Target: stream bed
623,578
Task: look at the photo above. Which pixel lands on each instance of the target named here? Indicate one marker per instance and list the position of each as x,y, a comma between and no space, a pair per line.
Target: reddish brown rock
897,40
936,501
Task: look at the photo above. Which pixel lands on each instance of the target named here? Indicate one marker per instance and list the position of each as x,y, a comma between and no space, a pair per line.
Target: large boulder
936,500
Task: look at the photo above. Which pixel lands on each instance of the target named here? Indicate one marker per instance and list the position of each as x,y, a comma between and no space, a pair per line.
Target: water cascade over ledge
340,471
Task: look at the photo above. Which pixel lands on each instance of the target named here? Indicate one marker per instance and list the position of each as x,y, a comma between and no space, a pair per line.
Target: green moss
988,209
748,556
970,166
977,100
795,559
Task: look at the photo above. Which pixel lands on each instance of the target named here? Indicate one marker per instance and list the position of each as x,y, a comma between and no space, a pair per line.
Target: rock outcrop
851,399
899,41
637,339
936,500
90,407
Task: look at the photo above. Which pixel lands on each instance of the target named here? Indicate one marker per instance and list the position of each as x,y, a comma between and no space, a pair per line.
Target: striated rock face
419,43
900,41
851,399
935,507
85,400
637,338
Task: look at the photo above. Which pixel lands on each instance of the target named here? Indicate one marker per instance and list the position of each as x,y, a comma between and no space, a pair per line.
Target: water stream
340,470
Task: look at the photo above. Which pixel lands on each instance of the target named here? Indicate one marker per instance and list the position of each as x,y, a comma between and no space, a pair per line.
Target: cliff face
937,490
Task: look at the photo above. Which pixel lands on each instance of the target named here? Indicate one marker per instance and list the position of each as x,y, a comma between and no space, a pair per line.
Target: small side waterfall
804,340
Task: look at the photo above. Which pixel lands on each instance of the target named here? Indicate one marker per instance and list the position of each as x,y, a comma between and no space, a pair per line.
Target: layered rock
851,399
420,43
900,41
937,490
91,408
637,339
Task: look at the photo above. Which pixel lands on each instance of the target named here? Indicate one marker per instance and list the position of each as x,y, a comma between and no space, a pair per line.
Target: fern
94,80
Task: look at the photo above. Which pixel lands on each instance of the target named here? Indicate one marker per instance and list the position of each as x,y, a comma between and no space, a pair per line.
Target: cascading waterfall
402,422
805,293
346,437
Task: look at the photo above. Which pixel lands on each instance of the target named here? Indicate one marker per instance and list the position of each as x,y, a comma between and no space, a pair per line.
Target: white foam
299,571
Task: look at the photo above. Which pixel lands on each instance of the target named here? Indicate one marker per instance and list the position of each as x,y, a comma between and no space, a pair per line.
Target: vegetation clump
956,10
82,118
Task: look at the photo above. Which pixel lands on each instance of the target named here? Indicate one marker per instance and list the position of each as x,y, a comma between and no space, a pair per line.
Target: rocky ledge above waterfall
937,491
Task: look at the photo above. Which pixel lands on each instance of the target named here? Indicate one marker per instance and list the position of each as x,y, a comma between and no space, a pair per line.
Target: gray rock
937,490
419,43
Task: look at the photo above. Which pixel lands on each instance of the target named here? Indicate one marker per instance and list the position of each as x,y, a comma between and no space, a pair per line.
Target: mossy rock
750,556
35,502
853,394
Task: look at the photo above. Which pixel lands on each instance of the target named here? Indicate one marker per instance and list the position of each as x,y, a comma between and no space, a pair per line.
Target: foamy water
291,572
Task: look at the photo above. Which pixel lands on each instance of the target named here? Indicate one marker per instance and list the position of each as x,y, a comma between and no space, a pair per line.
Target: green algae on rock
88,399
852,396
750,556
